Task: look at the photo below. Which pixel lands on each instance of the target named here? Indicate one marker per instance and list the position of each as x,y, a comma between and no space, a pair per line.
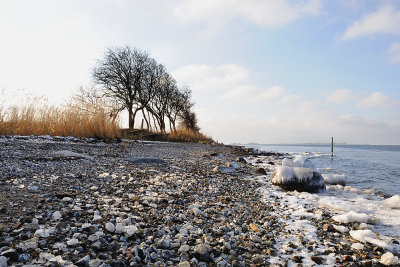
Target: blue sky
261,71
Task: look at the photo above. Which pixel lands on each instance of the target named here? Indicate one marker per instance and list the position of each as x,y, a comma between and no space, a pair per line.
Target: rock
316,259
3,261
201,252
240,159
261,171
145,160
183,264
297,259
217,155
110,227
130,230
71,155
56,216
223,169
183,248
95,263
254,227
233,165
72,242
11,254
328,227
300,179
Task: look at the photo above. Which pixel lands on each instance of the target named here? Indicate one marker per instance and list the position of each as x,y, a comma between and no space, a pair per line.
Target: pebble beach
68,201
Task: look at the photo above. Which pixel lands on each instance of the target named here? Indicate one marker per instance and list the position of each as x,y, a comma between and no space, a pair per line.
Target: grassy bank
38,118
181,135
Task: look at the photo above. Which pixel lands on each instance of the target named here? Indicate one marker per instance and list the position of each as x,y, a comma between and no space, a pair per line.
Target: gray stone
145,160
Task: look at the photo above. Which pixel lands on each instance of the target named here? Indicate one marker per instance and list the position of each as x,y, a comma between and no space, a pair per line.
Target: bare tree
125,75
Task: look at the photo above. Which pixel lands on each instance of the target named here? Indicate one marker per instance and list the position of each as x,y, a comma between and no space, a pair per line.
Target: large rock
299,179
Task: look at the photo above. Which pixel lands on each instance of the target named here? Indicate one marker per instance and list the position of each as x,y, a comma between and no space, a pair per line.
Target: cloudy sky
267,71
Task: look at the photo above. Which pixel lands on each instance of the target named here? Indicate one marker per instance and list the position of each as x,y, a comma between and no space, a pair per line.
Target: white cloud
254,93
262,13
206,77
386,20
394,52
340,96
377,100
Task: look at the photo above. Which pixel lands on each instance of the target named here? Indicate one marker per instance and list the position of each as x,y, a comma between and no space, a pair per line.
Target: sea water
365,166
372,176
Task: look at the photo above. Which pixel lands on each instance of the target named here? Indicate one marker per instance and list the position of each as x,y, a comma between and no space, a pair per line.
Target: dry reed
38,118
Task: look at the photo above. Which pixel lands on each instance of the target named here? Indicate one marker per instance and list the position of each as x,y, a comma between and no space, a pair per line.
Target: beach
68,201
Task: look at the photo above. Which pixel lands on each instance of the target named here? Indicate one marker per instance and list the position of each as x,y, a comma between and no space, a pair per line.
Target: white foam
352,216
392,202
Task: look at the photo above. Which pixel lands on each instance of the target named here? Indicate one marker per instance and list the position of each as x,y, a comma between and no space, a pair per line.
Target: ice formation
352,216
298,161
334,179
389,259
392,202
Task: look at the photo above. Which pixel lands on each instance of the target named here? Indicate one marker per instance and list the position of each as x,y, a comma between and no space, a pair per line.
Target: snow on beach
359,214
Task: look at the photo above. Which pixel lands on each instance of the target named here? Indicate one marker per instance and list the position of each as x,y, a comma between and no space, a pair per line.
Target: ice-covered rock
303,162
300,179
392,202
389,259
288,163
334,179
352,216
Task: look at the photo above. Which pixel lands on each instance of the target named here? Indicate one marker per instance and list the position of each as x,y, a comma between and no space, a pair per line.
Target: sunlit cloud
385,20
377,100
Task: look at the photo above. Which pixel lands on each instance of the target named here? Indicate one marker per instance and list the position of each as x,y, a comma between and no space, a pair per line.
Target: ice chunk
340,228
288,162
334,179
303,174
389,259
362,235
392,202
283,174
352,216
303,162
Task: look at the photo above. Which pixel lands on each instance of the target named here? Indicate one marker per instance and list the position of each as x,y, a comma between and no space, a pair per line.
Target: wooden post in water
331,147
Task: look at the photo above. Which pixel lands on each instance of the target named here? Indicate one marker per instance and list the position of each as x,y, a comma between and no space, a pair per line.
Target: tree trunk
131,121
144,116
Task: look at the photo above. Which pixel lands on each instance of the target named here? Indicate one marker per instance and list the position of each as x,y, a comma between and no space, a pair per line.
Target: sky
265,71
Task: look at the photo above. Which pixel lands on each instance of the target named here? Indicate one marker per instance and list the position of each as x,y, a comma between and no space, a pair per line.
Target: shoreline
96,208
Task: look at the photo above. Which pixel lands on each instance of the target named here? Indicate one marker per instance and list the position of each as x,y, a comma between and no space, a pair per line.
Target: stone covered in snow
300,179
392,202
334,179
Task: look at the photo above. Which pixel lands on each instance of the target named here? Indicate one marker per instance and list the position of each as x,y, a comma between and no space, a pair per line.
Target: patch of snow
389,259
334,179
392,202
352,216
340,228
358,246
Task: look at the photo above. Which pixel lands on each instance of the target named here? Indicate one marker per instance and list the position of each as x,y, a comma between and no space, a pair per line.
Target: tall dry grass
74,119
185,135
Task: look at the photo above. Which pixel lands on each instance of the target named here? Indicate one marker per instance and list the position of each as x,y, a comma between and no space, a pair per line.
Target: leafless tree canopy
134,81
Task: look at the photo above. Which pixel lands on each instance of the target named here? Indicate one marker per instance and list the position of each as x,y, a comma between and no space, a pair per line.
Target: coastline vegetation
125,79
